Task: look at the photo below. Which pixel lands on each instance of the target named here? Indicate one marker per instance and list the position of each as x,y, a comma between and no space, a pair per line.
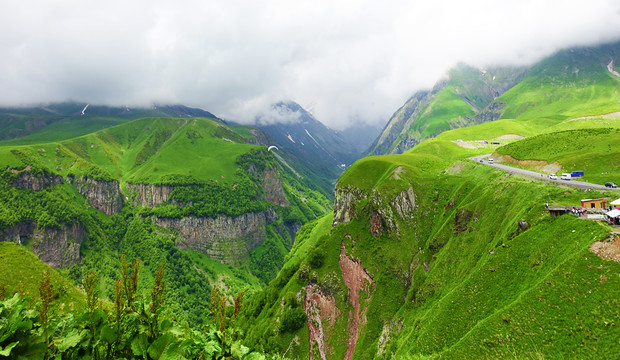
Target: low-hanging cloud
345,61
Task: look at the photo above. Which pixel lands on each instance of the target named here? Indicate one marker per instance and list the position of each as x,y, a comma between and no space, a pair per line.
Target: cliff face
59,248
104,196
225,239
274,192
27,180
344,204
148,194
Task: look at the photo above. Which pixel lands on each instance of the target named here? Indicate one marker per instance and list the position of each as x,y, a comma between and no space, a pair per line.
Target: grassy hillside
214,173
459,278
22,271
141,151
569,84
594,151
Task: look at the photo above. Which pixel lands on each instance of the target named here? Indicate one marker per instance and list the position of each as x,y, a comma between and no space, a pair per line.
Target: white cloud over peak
351,60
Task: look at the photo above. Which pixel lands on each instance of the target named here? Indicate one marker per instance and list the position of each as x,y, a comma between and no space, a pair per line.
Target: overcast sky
344,61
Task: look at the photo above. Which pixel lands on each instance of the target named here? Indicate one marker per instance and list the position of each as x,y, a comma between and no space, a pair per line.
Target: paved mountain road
540,176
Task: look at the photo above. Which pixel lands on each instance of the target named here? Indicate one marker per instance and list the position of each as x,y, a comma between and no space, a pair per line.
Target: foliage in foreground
130,328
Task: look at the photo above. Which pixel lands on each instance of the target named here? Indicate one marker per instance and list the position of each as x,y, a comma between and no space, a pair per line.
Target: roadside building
614,216
595,203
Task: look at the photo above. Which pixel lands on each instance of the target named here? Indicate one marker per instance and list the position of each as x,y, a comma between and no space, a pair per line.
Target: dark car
610,185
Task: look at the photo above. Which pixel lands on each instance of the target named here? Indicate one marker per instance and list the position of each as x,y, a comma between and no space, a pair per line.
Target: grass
22,268
225,277
460,275
593,150
141,151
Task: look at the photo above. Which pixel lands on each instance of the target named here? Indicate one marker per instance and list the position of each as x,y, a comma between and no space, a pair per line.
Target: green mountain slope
459,101
188,192
570,84
428,254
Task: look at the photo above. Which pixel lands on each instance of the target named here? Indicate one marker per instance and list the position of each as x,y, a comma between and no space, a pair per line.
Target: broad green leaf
165,347
139,345
109,334
68,341
7,349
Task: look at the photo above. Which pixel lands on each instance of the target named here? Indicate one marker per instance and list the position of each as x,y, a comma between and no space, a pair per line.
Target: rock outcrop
224,238
274,191
59,248
344,204
28,180
148,194
104,196
383,213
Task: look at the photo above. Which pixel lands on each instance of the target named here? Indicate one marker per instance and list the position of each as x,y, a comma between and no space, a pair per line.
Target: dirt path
612,115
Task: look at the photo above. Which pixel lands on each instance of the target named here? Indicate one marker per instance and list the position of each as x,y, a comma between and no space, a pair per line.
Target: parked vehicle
610,185
577,173
490,161
565,176
553,177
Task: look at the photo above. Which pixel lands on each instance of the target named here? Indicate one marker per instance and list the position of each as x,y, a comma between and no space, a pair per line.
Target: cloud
346,61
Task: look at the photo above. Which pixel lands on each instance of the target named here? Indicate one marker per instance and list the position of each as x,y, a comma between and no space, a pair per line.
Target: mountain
462,99
192,192
571,83
430,255
59,121
307,140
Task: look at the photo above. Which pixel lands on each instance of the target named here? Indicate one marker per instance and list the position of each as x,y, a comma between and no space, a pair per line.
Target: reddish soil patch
608,250
318,308
356,278
376,227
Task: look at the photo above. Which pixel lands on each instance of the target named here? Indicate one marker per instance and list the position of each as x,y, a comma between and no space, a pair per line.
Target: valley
171,233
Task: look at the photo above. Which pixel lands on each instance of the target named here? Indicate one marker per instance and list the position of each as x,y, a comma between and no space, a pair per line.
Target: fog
345,61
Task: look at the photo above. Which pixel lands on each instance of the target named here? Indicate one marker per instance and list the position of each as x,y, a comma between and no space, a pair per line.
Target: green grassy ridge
565,85
141,151
445,108
446,191
198,153
593,150
19,266
575,307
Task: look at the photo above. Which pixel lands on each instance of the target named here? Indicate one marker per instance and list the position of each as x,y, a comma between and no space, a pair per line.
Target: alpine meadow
167,232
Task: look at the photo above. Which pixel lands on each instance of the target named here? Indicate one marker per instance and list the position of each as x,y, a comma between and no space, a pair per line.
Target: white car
565,176
490,161
553,177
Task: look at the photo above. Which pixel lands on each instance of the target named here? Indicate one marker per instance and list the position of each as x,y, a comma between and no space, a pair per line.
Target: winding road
540,176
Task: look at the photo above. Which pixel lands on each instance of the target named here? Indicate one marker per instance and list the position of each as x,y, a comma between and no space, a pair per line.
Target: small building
557,211
595,203
614,216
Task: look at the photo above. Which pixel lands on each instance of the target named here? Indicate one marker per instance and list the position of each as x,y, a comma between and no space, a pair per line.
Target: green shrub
292,319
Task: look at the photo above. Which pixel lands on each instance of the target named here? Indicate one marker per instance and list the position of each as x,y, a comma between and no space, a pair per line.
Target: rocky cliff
104,196
59,248
28,180
148,194
224,238
344,204
274,191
